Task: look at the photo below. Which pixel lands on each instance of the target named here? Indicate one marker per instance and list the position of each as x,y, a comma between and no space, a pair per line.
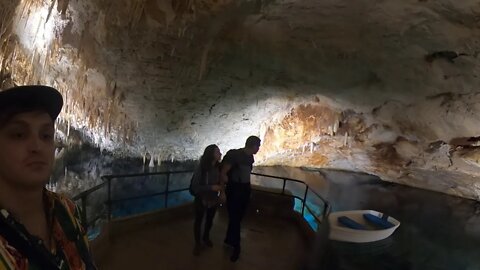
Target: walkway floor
266,244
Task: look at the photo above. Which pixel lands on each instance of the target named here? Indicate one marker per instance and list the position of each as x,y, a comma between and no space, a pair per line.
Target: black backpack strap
28,245
73,232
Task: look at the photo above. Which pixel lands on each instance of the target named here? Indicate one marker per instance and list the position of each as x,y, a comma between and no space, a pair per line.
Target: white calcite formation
384,87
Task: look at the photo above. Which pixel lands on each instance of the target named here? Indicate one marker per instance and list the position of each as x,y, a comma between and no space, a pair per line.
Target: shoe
235,254
227,244
197,249
208,243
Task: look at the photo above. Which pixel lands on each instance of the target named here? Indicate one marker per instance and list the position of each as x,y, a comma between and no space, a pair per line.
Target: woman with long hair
206,186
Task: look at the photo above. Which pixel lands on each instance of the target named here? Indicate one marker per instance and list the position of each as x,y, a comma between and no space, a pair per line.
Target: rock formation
384,87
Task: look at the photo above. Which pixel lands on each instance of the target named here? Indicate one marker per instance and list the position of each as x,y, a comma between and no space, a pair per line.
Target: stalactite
6,18
26,6
14,56
152,161
137,13
68,127
62,6
36,32
31,67
335,127
28,10
44,64
107,116
203,63
50,9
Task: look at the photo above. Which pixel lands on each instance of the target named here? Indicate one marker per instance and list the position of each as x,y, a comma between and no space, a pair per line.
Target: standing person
38,228
206,186
236,168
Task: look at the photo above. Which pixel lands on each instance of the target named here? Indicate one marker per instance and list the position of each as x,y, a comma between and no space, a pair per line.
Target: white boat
365,230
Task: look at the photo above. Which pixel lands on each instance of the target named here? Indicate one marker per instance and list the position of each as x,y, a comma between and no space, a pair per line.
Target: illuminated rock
384,87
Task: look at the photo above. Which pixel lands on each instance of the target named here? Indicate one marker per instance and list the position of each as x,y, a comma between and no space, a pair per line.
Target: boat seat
378,222
350,223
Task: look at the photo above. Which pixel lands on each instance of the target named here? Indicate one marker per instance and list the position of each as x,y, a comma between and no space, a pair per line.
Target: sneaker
227,244
235,254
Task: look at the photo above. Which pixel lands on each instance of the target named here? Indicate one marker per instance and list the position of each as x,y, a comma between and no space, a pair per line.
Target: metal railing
83,197
108,181
326,206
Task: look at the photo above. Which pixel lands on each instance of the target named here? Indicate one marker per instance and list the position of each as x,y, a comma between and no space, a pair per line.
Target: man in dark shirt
236,168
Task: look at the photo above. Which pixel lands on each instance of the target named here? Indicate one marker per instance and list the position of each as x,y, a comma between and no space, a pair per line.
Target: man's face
27,150
255,149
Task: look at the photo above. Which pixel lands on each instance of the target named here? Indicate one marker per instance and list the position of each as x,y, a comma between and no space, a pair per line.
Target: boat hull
341,233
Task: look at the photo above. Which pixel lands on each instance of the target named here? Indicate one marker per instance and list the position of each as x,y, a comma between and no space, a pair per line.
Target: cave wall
419,144
383,87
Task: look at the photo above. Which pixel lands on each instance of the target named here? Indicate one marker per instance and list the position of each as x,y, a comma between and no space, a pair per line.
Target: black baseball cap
32,97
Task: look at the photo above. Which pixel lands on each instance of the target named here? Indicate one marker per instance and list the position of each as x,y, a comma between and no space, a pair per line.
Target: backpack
190,189
202,182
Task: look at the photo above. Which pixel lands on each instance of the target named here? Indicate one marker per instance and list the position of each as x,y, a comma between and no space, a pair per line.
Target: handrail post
109,199
166,190
84,212
326,210
284,184
304,200
325,206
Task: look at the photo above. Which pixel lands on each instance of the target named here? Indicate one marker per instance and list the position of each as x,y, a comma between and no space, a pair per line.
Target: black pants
238,196
200,211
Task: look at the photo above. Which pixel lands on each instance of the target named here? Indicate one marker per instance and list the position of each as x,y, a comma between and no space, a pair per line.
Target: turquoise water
306,214
144,205
138,206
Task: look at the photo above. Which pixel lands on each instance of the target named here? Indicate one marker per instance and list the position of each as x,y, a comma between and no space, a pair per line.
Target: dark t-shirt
242,165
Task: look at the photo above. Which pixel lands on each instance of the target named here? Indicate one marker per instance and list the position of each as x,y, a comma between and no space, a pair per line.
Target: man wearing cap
237,166
38,228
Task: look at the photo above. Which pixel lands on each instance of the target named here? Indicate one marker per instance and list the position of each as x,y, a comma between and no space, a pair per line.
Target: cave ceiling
383,87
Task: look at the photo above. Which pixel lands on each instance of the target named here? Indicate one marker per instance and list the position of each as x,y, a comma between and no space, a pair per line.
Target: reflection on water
438,232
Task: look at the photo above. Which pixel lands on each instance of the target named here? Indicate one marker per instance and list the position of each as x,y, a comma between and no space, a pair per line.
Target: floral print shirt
69,242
